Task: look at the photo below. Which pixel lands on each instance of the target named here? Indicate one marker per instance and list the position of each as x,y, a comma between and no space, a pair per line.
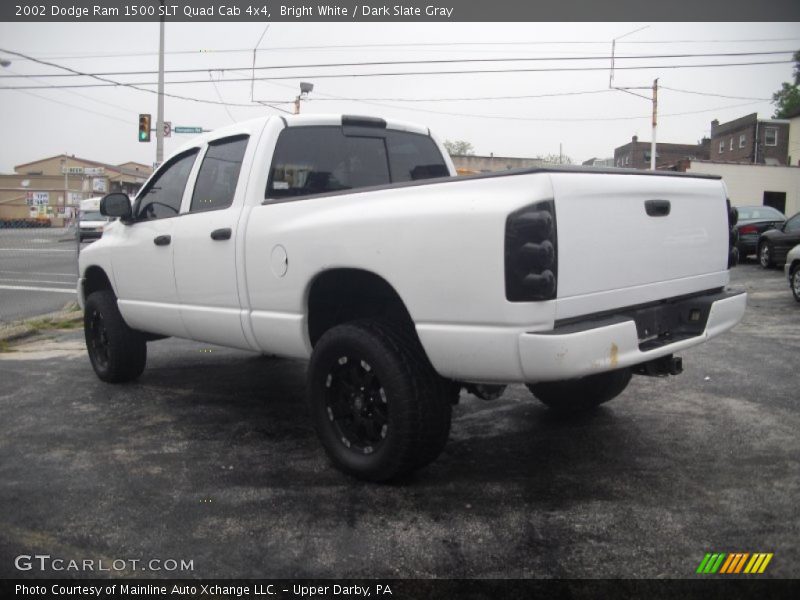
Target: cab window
219,174
317,160
162,196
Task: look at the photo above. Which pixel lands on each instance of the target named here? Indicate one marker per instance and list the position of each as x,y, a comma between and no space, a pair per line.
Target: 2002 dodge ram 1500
348,241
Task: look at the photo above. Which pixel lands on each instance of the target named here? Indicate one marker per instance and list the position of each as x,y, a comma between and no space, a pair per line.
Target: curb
23,329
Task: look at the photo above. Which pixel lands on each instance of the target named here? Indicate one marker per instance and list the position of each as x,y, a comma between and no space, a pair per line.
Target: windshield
748,213
92,215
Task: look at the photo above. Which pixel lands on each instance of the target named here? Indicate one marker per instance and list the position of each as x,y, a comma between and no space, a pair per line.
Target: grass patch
50,324
5,347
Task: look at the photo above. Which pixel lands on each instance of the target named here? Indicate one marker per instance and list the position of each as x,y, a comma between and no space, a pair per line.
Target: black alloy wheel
356,404
380,409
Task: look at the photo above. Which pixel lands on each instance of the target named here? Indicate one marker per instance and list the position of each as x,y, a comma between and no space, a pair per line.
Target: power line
664,87
411,62
534,119
81,108
409,45
395,74
85,97
471,98
111,82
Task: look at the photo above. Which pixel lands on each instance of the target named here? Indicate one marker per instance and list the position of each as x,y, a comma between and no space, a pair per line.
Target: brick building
636,154
751,140
53,187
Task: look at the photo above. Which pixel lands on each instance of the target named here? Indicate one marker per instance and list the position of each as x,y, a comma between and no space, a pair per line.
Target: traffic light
144,128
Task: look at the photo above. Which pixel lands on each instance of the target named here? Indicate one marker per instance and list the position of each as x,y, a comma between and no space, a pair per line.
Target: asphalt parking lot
210,457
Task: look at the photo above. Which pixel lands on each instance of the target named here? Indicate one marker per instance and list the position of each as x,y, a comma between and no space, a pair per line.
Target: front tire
574,396
378,406
117,352
765,255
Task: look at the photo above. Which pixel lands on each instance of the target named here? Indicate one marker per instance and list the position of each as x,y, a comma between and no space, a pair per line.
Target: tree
787,99
459,148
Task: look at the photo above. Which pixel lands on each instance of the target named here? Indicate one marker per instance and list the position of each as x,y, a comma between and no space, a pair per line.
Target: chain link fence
38,267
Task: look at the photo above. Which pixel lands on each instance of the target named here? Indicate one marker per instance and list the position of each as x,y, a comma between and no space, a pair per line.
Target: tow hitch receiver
660,367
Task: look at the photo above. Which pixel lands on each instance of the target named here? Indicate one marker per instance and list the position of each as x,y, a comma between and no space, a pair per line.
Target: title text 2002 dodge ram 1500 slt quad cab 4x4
348,241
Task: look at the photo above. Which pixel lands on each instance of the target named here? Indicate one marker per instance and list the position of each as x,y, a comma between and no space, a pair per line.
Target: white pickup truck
349,241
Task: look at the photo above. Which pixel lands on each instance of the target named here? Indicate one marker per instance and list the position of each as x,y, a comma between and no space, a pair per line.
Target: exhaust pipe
660,367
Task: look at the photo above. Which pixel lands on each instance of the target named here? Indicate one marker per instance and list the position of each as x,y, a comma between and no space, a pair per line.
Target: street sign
188,130
167,128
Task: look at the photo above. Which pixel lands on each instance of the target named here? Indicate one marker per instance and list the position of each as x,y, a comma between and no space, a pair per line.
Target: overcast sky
101,123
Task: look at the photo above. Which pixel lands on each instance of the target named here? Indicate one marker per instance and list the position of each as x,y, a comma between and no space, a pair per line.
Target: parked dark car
753,221
774,245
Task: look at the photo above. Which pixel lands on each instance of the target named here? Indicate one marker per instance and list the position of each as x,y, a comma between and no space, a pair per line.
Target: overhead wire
384,63
112,83
397,74
414,44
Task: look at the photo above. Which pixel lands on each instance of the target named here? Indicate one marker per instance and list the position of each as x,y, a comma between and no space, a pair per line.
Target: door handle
162,240
221,234
657,208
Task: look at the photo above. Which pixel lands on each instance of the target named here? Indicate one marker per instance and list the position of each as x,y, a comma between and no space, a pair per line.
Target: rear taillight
748,229
531,259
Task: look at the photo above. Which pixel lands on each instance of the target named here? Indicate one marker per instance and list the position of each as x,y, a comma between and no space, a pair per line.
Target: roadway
38,272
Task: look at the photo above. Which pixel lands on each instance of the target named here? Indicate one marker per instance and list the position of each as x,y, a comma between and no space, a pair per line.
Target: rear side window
317,160
163,195
218,175
413,156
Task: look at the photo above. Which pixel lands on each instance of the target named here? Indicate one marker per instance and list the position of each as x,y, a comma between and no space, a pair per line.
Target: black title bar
397,11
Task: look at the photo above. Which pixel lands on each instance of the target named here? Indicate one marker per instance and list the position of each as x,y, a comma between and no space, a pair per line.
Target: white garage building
755,184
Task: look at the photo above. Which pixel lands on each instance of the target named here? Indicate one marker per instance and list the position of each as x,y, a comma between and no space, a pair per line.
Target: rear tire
379,408
117,352
574,396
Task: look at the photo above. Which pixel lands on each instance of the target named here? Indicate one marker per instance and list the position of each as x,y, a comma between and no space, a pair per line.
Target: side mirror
116,205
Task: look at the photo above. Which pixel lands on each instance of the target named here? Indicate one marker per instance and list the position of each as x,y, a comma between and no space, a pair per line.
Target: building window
742,140
721,146
770,136
730,145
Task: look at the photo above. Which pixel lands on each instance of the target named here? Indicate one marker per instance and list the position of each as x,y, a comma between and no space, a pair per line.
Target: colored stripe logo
734,563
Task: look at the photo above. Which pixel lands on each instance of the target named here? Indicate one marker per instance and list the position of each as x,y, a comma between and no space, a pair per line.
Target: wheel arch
95,279
339,295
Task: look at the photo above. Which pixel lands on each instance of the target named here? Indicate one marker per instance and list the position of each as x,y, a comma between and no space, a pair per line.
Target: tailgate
626,239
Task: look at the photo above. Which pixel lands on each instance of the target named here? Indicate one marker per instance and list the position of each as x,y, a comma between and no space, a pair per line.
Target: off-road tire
574,396
117,352
417,409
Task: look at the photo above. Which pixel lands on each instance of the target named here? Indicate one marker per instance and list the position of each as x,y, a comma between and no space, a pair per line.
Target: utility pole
160,110
305,89
627,90
655,123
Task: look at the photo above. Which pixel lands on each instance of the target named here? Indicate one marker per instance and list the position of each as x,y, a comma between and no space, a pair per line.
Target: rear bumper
617,341
579,347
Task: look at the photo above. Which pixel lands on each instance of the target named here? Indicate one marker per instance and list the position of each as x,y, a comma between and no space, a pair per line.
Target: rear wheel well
341,295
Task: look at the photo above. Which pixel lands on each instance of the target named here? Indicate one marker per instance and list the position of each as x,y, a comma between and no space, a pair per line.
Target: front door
143,254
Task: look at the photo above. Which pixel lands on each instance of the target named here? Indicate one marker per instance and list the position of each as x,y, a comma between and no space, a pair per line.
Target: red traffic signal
144,128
